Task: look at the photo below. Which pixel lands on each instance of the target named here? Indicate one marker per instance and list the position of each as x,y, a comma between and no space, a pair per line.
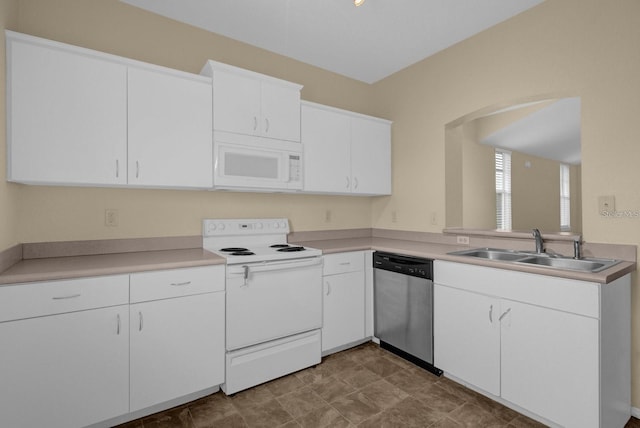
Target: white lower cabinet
343,300
177,348
177,333
86,351
537,342
64,370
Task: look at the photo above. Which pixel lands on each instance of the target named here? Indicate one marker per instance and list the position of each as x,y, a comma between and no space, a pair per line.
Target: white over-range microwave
242,162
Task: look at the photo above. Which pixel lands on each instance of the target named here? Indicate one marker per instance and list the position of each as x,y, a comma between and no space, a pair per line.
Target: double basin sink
539,259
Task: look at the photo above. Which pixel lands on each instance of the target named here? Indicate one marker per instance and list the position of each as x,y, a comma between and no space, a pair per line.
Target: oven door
243,162
270,300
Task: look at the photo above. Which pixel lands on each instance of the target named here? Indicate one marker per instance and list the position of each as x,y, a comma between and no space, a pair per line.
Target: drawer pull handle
180,284
505,314
71,296
345,263
118,326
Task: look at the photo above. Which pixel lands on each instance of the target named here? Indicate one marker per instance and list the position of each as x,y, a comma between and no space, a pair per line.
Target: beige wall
8,192
586,48
56,213
535,193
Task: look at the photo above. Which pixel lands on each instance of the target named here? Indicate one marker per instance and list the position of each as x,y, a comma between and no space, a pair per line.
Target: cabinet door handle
491,314
255,123
504,314
117,168
328,288
266,123
180,284
118,326
141,324
355,182
348,183
70,296
137,169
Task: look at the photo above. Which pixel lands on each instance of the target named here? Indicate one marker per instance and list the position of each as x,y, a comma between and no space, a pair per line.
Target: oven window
242,165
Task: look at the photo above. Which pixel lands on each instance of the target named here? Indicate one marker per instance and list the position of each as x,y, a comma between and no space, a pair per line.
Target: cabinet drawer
343,262
55,297
166,284
579,297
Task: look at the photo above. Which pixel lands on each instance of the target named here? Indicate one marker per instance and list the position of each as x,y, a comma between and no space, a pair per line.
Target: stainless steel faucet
539,243
577,250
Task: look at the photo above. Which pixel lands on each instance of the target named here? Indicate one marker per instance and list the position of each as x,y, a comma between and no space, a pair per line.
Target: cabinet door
67,117
326,136
170,130
343,309
370,156
467,336
177,347
236,103
66,370
280,112
550,363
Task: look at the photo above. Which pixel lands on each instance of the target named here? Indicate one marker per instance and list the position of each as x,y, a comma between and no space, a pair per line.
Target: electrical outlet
327,216
462,240
606,204
111,217
394,216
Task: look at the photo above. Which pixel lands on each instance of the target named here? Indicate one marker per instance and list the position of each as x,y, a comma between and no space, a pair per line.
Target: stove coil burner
291,249
242,253
233,249
279,246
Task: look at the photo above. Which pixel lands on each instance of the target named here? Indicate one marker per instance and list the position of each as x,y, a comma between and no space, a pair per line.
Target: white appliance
273,300
242,162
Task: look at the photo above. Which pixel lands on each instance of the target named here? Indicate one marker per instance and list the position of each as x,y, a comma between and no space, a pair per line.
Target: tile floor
364,386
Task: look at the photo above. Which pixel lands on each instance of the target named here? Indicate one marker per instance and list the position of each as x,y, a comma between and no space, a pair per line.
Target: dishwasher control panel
407,265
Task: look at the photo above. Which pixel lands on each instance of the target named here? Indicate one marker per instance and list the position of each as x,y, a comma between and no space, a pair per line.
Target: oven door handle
273,266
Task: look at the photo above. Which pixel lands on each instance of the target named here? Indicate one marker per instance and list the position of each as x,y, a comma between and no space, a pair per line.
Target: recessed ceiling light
358,2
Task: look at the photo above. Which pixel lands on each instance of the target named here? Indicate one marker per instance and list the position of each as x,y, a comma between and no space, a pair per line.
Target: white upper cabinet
67,115
371,156
250,103
170,140
327,154
345,152
81,117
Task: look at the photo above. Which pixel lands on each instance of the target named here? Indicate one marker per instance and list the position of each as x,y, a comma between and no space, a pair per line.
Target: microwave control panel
294,168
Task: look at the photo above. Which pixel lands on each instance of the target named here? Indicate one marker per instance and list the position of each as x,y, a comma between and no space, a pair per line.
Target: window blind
503,189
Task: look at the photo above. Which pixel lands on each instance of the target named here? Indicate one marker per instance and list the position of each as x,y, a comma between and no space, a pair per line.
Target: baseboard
635,412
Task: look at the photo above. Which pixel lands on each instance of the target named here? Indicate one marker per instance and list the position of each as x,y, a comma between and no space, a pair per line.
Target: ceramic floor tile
211,409
266,415
356,407
325,416
364,386
174,418
300,402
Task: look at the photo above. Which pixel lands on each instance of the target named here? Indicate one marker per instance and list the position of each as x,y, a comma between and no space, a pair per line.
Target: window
503,189
565,198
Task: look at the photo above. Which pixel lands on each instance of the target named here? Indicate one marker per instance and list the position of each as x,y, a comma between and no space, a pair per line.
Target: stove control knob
221,226
276,225
283,225
211,227
259,226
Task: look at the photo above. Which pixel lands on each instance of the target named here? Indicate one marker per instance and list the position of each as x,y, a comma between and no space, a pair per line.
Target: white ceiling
552,132
366,43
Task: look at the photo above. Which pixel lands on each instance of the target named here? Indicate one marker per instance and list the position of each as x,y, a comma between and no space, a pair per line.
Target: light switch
606,204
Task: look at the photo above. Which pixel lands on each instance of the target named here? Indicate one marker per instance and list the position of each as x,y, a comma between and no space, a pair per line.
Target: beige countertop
439,252
55,268
52,268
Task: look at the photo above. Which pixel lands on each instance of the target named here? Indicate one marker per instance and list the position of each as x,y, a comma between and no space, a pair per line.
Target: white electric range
273,300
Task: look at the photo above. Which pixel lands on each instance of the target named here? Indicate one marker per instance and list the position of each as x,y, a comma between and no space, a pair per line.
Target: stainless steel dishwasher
403,307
